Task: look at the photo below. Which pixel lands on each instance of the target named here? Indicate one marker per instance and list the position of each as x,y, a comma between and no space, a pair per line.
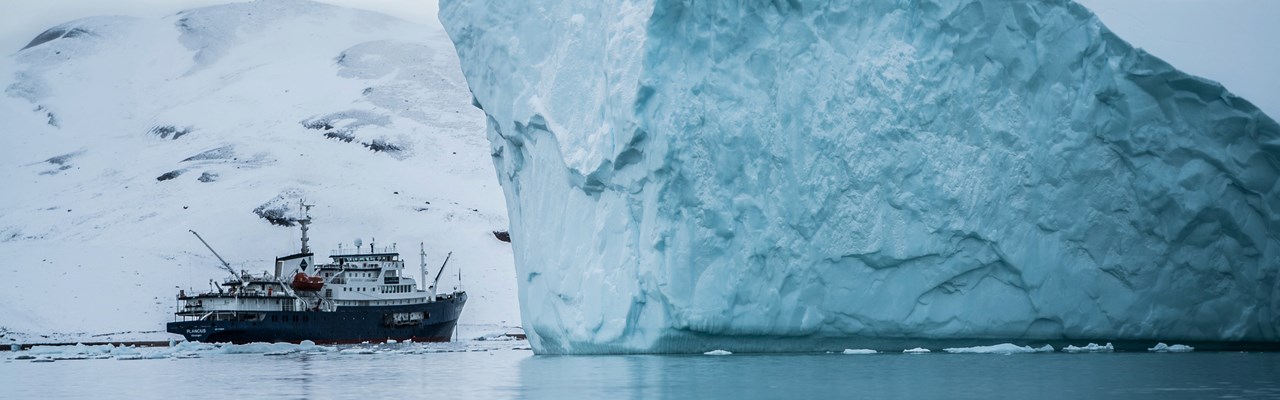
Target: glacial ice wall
804,175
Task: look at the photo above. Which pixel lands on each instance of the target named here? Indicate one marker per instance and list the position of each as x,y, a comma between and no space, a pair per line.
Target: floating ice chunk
860,351
1177,348
77,349
918,350
124,351
357,351
1003,348
1090,348
193,346
718,353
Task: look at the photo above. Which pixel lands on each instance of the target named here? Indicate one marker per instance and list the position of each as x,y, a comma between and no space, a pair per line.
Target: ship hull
343,325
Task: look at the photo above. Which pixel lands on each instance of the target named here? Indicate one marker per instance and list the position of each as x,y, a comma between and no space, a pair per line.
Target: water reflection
1124,375
506,373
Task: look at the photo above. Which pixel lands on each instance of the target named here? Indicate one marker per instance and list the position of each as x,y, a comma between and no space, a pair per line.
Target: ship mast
306,219
422,264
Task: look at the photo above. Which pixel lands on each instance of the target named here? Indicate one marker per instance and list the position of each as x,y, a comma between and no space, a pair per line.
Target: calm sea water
505,372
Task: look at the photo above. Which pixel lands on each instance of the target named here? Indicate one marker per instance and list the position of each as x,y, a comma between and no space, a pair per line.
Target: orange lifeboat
303,282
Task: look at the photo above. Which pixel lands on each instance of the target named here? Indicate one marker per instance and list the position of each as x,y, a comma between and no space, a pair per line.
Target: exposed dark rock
319,125
64,158
342,126
220,153
379,145
275,216
61,162
169,175
164,131
502,235
277,210
58,32
340,136
51,119
207,177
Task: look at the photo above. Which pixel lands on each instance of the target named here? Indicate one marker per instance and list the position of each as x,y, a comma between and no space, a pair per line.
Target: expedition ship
357,296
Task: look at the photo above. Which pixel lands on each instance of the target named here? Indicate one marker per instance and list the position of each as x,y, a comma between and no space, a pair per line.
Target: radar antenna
225,264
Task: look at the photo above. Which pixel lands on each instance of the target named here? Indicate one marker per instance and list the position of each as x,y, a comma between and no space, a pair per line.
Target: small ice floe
1090,348
25,357
127,357
918,350
42,359
71,357
280,353
859,351
718,353
1177,348
357,351
1003,348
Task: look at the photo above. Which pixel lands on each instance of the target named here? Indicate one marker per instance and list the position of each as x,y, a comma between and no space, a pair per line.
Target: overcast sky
1236,42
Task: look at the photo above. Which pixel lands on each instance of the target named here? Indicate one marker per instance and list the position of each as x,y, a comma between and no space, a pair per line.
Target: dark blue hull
344,325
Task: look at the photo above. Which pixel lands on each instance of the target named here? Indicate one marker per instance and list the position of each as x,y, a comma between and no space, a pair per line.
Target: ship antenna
225,264
422,263
306,219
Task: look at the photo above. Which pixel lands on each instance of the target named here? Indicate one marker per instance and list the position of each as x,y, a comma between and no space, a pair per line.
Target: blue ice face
695,176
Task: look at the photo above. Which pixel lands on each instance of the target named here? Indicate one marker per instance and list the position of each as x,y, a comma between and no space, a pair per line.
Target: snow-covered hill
119,134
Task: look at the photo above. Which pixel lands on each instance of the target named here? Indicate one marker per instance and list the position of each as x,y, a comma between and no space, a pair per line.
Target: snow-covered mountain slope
120,134
805,175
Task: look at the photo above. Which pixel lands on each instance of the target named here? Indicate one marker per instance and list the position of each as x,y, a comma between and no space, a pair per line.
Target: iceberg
1177,348
1003,348
1090,348
809,175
